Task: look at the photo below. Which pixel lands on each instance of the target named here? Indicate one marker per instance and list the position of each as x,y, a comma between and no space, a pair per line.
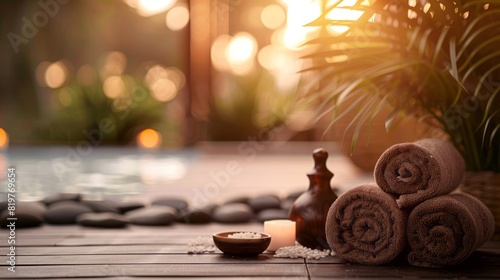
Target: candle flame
4,138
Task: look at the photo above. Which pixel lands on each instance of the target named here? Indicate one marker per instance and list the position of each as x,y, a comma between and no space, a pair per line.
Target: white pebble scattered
201,245
245,235
299,251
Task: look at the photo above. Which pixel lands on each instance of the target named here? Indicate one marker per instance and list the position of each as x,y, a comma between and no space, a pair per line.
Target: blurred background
145,81
153,73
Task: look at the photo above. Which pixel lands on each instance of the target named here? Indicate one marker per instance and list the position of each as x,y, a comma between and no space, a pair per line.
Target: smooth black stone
102,220
3,205
59,197
294,195
263,202
126,206
239,199
197,216
272,214
156,215
65,212
209,208
28,214
287,204
101,206
233,213
177,203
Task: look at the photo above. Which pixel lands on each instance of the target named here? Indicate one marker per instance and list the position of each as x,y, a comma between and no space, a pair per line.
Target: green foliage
249,107
83,108
436,60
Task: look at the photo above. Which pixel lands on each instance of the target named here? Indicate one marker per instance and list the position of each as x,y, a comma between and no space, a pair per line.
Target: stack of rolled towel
410,209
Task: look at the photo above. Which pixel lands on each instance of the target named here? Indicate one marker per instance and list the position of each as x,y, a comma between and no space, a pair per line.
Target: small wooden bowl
241,246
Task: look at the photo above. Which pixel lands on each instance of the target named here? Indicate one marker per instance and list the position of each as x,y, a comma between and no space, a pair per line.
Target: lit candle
282,233
4,139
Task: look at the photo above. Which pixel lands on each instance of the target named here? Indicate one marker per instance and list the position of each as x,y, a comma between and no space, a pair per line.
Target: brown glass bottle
309,210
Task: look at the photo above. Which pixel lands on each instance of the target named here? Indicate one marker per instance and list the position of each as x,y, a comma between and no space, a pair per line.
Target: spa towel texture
366,226
445,230
410,209
417,171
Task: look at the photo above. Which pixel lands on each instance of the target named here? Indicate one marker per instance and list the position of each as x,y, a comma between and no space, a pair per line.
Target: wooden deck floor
53,252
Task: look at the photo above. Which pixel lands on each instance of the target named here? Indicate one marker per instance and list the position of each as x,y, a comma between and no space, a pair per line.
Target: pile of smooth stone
66,208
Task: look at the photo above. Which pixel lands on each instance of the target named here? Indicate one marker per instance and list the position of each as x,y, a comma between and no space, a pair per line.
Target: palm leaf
426,59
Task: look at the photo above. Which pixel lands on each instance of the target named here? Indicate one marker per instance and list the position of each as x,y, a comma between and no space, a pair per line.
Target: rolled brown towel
445,230
365,226
417,171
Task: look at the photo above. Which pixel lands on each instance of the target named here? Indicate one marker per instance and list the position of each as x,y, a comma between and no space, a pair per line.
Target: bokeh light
56,74
163,90
65,96
149,139
343,13
40,73
299,13
272,57
273,16
4,139
178,17
218,52
148,8
176,76
164,83
114,64
113,87
240,53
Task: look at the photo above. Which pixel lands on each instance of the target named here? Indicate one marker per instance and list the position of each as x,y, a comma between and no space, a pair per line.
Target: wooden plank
394,272
101,250
119,240
192,278
177,229
159,270
23,242
149,259
328,260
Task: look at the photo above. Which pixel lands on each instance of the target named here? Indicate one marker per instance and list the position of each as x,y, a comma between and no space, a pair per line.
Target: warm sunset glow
149,138
272,57
240,53
56,74
4,139
344,13
299,13
152,7
178,17
273,16
241,48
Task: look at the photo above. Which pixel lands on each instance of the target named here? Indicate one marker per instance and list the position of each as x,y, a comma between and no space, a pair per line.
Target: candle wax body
282,233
